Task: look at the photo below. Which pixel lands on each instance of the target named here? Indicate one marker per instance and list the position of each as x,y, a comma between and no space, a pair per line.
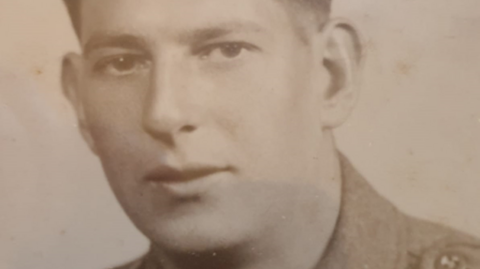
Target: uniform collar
368,233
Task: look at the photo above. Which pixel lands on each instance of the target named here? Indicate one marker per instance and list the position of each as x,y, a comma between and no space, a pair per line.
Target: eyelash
102,64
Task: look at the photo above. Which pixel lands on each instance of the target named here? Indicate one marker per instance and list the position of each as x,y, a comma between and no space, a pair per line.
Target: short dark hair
73,7
320,8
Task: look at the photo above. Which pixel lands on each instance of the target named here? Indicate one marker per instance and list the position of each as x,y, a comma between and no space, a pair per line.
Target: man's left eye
223,52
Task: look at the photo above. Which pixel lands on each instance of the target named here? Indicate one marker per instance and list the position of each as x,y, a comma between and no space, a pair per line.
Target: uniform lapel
369,232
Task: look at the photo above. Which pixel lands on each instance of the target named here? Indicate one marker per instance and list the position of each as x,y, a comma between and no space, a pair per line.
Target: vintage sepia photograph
239,134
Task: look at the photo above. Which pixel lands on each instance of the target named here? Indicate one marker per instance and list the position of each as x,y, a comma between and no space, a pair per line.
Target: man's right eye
122,65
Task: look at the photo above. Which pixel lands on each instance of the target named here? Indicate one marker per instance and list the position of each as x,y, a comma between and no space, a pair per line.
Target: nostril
188,128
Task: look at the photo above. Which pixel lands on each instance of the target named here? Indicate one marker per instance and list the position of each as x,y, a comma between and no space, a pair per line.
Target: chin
201,233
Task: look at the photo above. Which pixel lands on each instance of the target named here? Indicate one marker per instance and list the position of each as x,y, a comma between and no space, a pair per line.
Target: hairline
319,12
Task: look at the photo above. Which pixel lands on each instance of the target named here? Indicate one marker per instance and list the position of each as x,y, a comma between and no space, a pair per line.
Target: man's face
205,115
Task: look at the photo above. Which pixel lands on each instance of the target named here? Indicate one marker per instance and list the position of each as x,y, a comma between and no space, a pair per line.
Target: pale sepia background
415,134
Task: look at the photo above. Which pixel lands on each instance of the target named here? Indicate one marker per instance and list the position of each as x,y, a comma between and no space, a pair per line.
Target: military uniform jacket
371,233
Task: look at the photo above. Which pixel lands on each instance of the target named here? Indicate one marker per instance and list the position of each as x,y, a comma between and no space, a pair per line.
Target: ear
343,60
71,77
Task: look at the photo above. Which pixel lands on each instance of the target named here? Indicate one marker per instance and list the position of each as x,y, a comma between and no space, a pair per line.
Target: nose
167,111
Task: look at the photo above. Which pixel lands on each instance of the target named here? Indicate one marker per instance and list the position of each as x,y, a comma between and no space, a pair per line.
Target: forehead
171,16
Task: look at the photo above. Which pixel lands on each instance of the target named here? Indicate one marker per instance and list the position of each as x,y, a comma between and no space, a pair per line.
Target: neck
298,241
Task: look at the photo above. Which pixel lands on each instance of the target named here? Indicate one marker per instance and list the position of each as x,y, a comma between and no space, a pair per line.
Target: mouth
192,181
169,175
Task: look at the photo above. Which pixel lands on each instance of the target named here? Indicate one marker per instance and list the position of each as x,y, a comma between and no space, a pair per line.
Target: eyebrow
129,41
103,40
217,31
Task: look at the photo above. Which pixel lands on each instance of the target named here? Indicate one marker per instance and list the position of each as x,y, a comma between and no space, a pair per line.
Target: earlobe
71,74
343,60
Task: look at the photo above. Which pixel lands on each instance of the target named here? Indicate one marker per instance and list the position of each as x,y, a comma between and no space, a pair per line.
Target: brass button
451,261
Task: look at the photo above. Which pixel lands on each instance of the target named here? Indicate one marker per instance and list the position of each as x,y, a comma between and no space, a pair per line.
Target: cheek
272,109
113,106
113,116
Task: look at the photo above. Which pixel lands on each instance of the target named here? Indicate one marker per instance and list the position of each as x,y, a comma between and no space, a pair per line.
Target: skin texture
227,85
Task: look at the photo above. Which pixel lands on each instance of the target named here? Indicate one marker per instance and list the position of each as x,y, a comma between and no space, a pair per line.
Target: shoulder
433,246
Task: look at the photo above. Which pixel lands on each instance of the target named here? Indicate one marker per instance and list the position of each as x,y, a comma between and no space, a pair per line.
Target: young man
213,121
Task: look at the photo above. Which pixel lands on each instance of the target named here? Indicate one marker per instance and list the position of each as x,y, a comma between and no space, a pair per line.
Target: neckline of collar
369,230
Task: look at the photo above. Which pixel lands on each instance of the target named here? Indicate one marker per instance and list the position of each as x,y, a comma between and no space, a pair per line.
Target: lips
168,174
